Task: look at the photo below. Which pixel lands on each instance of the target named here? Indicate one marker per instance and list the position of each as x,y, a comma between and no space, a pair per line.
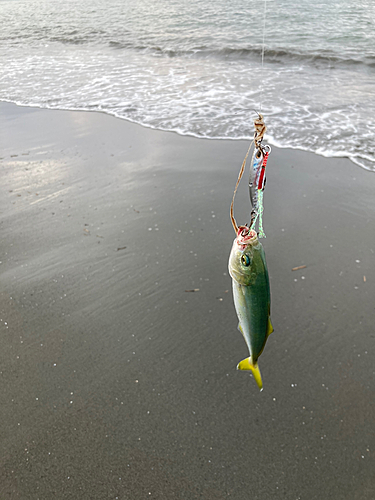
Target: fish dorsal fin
239,328
269,327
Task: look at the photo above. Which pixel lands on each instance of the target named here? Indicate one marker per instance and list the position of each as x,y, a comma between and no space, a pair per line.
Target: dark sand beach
117,382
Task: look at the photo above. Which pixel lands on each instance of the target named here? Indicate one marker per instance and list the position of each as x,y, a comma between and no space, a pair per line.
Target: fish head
243,259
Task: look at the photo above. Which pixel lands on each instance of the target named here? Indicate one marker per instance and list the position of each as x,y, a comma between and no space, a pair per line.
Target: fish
251,295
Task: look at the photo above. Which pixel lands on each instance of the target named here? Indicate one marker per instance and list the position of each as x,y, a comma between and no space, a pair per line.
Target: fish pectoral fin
247,364
269,327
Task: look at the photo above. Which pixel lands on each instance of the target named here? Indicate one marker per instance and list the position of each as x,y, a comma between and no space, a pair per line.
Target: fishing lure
247,263
257,177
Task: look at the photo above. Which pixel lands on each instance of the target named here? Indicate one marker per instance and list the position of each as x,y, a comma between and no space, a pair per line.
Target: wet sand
117,382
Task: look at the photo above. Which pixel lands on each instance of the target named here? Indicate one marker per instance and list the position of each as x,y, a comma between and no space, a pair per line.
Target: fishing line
263,44
234,223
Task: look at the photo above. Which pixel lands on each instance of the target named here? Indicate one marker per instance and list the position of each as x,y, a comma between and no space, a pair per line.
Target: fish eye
245,260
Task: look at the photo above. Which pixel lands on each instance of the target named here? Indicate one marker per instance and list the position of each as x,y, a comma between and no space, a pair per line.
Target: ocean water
196,67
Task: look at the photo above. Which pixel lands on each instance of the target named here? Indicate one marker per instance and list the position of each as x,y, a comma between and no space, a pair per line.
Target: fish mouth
246,236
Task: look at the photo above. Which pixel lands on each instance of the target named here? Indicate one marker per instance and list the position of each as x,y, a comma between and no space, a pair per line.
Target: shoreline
116,382
274,143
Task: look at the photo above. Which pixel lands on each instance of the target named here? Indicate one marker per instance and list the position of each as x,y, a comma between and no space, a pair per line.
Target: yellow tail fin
247,364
